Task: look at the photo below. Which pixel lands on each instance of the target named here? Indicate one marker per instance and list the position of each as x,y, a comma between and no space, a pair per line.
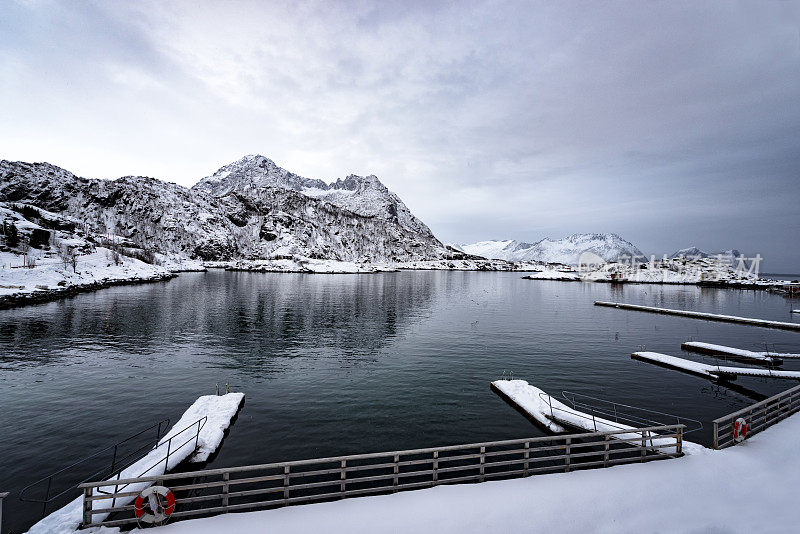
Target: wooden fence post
286,485
527,458
225,488
396,471
344,474
87,506
481,478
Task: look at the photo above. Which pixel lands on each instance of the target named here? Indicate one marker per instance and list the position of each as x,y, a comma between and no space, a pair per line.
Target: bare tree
68,256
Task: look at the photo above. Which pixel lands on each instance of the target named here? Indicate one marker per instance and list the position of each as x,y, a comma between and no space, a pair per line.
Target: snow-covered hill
250,209
610,247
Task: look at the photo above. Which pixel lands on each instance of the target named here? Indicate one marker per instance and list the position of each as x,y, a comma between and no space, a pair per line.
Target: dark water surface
340,364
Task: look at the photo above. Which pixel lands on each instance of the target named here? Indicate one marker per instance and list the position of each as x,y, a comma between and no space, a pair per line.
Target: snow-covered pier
712,372
732,353
702,315
197,434
556,416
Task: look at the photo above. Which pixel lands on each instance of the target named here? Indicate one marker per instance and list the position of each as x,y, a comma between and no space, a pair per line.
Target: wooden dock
711,372
702,315
732,353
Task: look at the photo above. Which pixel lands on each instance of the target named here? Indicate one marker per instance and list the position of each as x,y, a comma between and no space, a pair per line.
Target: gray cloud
672,124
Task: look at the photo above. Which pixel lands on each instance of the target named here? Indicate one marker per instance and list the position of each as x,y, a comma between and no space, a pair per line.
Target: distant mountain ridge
248,209
610,247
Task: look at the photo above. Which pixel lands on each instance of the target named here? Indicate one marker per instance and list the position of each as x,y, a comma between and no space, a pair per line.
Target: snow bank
219,410
745,488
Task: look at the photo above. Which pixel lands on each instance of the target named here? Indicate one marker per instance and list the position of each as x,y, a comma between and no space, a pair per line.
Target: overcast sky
672,124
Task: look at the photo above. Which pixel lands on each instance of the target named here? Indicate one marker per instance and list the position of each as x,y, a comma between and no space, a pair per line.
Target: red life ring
157,512
739,430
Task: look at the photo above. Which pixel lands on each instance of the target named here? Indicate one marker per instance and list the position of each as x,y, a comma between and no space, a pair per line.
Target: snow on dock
218,410
528,399
702,315
712,372
558,417
762,358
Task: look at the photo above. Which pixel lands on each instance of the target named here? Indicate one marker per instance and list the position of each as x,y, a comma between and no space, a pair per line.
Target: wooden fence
757,416
251,487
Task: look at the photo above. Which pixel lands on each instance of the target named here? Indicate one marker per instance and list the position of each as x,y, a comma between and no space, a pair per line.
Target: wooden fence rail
758,416
250,487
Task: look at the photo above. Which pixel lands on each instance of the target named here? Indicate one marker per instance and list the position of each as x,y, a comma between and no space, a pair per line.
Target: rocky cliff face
250,209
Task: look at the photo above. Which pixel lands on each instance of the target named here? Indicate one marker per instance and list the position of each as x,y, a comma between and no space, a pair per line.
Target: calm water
338,364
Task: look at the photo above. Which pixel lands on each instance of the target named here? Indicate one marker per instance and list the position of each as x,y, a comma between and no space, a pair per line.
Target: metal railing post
679,448
567,452
605,451
166,458
47,495
435,467
3,495
716,435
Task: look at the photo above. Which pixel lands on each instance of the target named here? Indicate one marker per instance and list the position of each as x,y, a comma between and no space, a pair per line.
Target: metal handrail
115,466
200,423
573,398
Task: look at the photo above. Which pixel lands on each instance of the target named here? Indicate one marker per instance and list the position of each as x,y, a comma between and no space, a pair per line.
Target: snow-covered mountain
694,252
610,247
249,209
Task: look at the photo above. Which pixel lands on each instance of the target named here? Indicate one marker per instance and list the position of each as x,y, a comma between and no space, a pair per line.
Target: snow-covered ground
743,489
219,409
50,273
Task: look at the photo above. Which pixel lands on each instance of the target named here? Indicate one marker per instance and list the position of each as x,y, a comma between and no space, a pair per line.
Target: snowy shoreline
21,298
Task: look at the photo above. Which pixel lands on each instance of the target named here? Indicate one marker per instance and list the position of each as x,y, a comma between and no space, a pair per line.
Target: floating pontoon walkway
712,372
558,417
761,358
702,315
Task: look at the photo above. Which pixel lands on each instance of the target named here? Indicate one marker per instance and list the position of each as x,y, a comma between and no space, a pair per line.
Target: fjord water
340,364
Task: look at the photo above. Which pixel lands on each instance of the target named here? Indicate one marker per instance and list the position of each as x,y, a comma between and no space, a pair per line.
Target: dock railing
111,460
224,490
757,416
3,495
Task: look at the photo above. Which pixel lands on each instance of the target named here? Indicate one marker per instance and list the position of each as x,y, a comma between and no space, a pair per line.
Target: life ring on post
739,430
161,502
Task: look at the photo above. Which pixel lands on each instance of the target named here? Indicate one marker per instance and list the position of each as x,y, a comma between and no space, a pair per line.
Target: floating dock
712,372
732,353
558,417
196,435
702,315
